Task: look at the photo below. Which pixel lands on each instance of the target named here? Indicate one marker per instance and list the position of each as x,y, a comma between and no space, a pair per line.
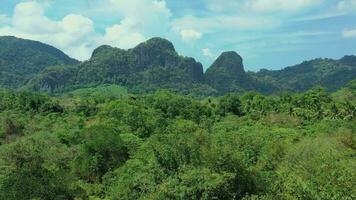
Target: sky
268,34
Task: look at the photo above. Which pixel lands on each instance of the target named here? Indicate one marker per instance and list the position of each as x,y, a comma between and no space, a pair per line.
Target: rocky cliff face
227,73
152,64
161,52
349,60
231,62
155,65
154,52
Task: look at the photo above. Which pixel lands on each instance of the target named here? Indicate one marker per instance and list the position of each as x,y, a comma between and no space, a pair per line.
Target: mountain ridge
151,64
21,59
155,65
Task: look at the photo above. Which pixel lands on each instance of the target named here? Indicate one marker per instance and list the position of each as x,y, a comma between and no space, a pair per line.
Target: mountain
155,65
149,66
21,59
227,74
328,73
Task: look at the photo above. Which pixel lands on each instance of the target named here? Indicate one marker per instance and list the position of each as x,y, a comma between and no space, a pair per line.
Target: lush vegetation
227,74
21,60
150,66
329,73
109,131
102,143
155,65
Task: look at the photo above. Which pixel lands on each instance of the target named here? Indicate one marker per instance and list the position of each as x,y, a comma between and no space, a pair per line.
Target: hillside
227,74
21,59
149,66
328,73
154,65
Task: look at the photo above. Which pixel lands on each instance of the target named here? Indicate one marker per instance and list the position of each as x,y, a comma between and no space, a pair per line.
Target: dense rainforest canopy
103,143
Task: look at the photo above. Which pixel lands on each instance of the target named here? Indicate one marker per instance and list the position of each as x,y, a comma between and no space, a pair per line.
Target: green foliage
331,74
150,66
230,103
28,102
97,141
172,106
102,150
129,116
34,168
101,93
169,146
196,183
21,60
155,65
317,169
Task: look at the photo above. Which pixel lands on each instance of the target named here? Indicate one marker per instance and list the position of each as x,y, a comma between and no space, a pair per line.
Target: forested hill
329,73
155,65
21,59
149,66
227,74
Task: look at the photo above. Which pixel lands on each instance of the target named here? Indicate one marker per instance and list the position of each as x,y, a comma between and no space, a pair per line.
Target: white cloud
142,18
207,53
280,5
223,22
118,35
347,5
75,34
28,17
4,19
190,35
349,33
261,5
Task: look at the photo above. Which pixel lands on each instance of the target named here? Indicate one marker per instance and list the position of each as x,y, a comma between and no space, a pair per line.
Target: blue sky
266,33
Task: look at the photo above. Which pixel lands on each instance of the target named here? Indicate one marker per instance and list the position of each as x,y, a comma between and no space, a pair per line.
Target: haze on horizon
267,33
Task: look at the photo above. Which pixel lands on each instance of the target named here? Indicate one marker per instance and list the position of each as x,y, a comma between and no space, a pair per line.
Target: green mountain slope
227,74
149,66
155,65
328,73
21,59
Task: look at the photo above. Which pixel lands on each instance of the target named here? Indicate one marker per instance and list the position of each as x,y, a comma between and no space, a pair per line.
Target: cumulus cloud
261,5
75,34
349,33
189,35
4,19
118,35
223,22
347,5
280,5
234,22
207,53
142,18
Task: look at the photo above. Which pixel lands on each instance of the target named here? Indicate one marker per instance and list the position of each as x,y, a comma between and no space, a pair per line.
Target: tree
230,103
102,151
35,168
